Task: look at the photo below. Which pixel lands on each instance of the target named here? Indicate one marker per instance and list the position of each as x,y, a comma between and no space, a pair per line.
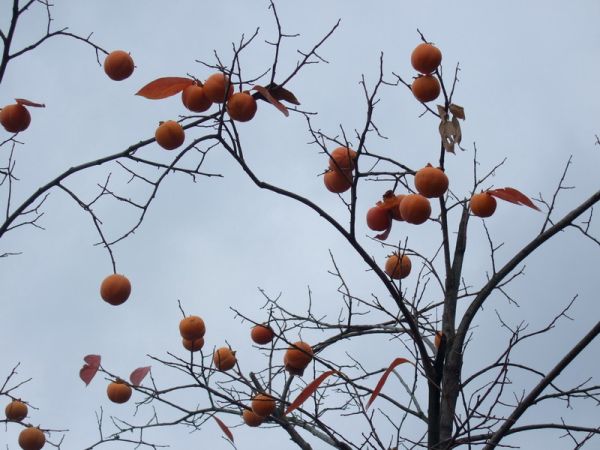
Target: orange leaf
514,196
164,87
276,103
89,369
383,379
138,375
225,428
24,102
383,236
309,390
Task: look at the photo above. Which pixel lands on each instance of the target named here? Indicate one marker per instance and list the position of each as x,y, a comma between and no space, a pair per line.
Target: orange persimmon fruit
426,88
241,106
15,118
195,99
215,87
193,345
118,65
415,209
16,411
32,438
298,356
118,391
398,267
431,182
115,289
262,334
378,218
263,405
192,328
337,181
342,159
224,358
483,204
251,418
169,135
425,58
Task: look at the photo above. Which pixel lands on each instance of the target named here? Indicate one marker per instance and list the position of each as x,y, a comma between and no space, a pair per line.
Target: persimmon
378,218
431,181
251,418
118,391
193,345
224,358
396,211
118,65
215,87
241,106
15,118
262,334
415,209
169,135
337,182
32,438
483,204
263,405
342,159
16,411
425,58
195,99
115,289
426,88
298,356
192,327
398,267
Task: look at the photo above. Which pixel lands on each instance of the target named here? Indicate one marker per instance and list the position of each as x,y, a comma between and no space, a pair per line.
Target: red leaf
277,104
164,87
89,369
514,196
309,390
383,379
138,375
24,102
225,428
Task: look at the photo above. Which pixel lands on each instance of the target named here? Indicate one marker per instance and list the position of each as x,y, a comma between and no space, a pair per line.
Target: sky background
528,83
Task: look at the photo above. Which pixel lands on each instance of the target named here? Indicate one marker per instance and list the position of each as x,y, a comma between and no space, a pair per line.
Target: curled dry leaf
457,111
276,103
24,102
164,87
514,196
384,377
309,390
281,93
138,375
450,133
89,369
225,428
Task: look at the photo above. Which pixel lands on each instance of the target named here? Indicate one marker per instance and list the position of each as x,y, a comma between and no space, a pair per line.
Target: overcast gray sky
528,83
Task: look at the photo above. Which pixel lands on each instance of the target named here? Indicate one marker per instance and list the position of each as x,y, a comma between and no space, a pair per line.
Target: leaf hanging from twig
396,362
138,375
281,93
308,391
164,87
514,196
25,102
225,428
457,111
276,103
89,369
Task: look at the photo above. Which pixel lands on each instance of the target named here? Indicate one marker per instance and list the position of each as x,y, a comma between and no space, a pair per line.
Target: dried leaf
384,377
457,111
309,390
281,93
225,428
277,104
450,133
442,112
164,87
138,375
514,196
89,369
383,236
24,102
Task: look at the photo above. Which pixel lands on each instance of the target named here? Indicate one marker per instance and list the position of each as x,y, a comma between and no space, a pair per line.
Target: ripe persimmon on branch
421,306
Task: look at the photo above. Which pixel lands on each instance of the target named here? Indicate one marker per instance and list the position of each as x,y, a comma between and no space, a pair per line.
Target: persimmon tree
421,314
